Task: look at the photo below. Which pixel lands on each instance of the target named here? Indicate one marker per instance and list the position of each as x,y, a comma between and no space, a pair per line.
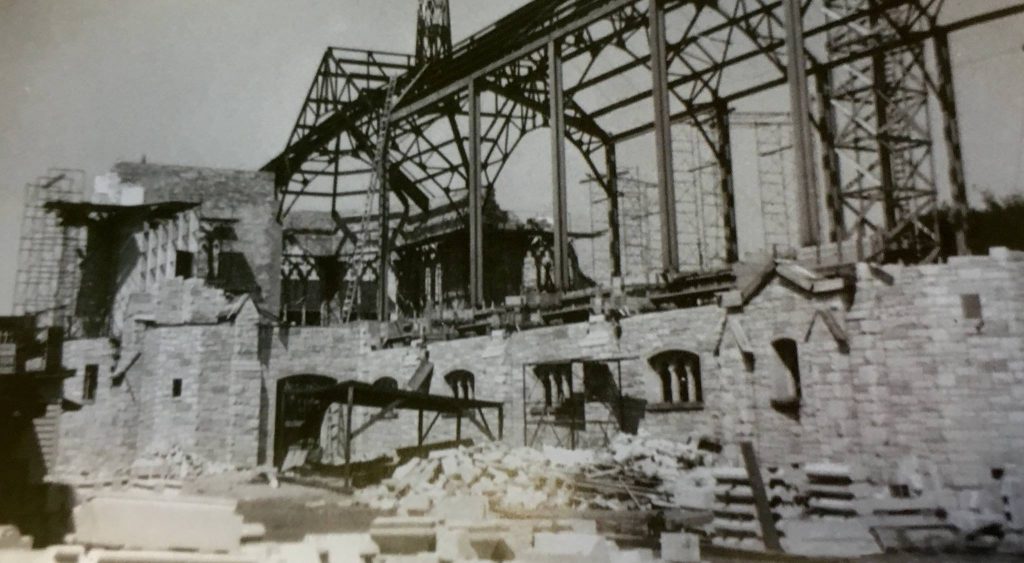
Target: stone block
295,553
680,548
462,507
149,522
579,525
454,545
415,505
404,535
633,556
566,547
343,548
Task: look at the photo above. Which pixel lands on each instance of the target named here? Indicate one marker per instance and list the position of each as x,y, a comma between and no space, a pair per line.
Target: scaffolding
48,271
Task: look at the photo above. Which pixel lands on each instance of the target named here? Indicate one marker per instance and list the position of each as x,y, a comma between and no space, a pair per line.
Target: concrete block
148,522
683,548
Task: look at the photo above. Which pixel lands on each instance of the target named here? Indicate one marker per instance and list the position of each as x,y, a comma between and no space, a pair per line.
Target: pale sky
86,83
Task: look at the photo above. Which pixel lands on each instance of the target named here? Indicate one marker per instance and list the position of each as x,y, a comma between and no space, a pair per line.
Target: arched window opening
462,384
787,382
679,377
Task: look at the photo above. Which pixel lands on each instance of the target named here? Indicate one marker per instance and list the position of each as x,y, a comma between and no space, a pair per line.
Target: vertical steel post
724,153
830,159
611,188
882,90
385,241
476,254
556,122
348,437
525,430
663,137
419,427
954,150
800,107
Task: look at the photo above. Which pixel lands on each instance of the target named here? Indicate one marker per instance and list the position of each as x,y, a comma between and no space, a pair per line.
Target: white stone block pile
633,472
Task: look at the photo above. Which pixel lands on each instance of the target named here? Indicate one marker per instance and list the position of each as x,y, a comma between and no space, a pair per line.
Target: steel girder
711,48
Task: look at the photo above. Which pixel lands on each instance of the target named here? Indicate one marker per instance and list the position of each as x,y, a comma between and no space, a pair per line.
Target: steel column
348,436
800,106
724,152
556,123
476,254
830,158
611,189
882,90
954,150
385,234
663,137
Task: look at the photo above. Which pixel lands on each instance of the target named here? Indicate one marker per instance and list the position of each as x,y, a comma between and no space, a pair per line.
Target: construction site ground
290,511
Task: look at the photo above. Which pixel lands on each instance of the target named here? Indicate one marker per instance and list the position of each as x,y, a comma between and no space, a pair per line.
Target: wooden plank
764,513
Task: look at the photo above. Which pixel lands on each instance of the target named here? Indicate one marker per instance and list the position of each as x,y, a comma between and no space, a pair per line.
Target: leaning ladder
362,251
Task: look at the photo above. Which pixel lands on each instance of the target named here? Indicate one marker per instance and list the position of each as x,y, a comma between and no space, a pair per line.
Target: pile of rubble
175,464
633,472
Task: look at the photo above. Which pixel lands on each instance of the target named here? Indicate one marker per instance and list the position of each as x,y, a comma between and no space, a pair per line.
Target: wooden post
419,428
764,513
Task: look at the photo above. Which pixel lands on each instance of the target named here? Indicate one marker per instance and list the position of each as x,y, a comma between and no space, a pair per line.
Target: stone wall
96,437
243,196
922,361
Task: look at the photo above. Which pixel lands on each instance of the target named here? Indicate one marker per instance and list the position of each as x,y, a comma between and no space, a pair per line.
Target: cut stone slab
680,548
579,525
343,548
415,505
404,535
462,507
633,556
565,547
828,537
296,555
454,545
159,523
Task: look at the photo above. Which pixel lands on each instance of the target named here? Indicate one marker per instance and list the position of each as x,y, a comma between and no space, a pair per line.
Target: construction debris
633,472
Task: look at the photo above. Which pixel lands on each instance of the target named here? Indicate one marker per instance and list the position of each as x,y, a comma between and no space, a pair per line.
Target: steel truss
865,147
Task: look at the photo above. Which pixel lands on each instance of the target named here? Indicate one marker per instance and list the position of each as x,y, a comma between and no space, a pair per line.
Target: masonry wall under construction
903,361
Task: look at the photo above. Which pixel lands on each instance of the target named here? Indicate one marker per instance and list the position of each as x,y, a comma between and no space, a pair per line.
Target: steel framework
863,150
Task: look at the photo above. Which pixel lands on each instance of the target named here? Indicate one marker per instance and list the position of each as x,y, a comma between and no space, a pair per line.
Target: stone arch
679,375
787,384
297,418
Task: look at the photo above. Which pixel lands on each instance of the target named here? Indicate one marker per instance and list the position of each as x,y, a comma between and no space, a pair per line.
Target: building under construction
811,307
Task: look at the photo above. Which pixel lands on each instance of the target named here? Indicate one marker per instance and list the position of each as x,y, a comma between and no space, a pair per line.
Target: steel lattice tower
433,31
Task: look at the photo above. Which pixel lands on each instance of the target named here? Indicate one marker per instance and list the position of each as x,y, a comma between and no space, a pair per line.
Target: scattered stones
632,472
